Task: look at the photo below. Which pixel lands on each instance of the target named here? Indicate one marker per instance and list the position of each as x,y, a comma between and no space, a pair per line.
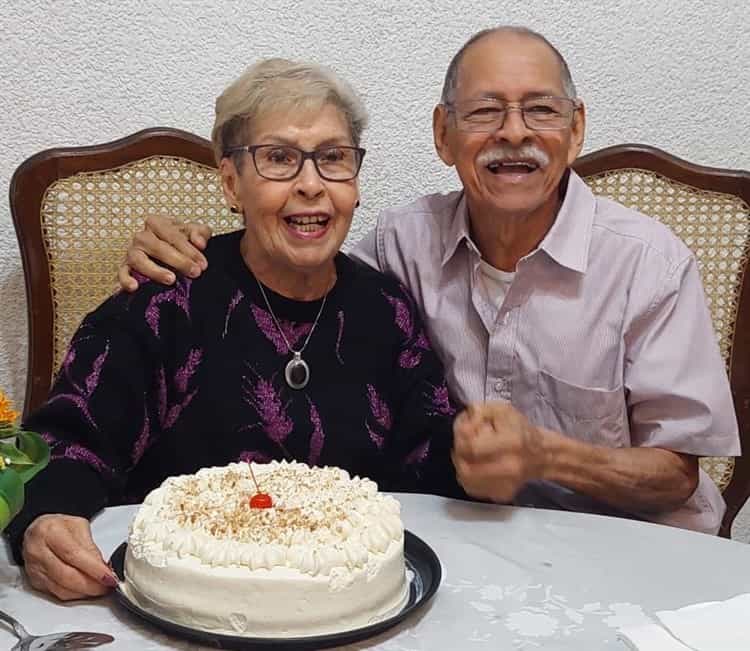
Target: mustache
508,154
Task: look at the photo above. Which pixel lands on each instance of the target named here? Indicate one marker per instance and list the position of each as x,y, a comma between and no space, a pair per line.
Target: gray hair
451,76
274,85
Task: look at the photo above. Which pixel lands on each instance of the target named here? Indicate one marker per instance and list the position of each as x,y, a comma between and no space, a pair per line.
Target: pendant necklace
296,372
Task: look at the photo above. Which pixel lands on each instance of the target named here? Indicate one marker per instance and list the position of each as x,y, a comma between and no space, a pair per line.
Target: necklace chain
281,330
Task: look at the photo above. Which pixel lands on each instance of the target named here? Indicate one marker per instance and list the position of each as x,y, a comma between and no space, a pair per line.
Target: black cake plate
423,571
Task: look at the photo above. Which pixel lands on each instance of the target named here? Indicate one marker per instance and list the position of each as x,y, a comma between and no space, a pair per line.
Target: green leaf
36,449
7,431
5,515
11,490
12,455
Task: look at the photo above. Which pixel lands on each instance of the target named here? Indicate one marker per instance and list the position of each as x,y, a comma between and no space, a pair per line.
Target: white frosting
327,556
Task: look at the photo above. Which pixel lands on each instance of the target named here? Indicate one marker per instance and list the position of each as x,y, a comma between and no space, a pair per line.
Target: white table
514,578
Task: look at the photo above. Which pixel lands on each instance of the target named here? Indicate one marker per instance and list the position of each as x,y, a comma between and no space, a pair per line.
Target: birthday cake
326,555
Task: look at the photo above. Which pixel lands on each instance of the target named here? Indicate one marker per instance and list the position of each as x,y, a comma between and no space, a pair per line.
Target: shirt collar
567,241
457,231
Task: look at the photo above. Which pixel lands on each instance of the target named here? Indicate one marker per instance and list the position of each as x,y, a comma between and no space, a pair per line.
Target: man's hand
62,559
496,451
171,242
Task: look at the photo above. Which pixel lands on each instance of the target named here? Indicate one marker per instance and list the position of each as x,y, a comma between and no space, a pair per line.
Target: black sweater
172,379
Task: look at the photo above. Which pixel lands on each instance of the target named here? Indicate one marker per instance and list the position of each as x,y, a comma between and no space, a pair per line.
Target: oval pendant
297,372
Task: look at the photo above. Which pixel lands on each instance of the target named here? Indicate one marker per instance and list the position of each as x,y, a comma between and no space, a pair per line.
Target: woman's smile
308,225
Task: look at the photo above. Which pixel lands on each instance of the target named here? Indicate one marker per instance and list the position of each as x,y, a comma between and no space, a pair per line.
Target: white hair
274,85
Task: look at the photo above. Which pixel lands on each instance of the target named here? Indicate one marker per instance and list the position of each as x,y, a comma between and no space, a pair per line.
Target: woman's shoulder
185,297
220,247
144,310
364,278
223,255
374,289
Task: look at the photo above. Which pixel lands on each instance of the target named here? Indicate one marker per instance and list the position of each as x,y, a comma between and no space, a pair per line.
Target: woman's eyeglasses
284,162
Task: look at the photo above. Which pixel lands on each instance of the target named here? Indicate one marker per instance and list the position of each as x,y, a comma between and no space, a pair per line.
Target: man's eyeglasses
284,162
539,113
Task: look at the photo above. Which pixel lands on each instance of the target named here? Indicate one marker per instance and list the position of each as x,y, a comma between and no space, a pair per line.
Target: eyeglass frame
305,155
515,106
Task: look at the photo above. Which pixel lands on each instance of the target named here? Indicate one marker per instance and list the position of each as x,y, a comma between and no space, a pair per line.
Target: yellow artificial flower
7,415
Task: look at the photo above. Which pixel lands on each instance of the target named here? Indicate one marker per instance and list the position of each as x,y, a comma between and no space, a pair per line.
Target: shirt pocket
588,414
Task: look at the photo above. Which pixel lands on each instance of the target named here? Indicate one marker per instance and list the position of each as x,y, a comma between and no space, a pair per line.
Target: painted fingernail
109,580
169,278
194,271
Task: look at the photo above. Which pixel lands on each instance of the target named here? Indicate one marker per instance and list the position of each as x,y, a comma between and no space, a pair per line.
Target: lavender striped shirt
604,333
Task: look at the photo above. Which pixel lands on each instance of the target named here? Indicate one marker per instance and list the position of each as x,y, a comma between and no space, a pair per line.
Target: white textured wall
672,74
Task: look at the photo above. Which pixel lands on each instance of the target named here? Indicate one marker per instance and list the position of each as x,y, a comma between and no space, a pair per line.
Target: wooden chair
76,209
709,209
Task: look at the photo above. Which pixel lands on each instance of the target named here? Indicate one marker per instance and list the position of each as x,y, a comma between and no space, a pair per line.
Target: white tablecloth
514,578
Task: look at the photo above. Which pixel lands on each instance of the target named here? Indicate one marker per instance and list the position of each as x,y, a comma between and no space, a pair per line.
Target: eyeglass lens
284,162
538,113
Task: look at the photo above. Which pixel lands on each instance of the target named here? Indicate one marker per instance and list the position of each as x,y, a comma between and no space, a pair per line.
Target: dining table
515,578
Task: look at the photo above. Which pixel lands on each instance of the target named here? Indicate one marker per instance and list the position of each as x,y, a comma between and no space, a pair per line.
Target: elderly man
575,329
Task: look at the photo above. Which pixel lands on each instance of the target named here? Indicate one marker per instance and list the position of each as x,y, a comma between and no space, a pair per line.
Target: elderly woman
283,349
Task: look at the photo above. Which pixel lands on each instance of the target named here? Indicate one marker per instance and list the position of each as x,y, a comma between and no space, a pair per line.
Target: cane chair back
76,210
709,209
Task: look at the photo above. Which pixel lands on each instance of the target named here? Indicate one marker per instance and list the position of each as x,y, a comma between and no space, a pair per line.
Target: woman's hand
172,242
62,559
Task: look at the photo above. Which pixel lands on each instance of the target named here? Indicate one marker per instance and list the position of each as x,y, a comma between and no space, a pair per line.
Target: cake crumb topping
321,518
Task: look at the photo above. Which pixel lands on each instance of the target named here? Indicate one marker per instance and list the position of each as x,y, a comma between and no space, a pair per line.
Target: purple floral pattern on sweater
93,378
411,356
340,335
53,442
186,372
65,369
293,331
179,296
175,410
340,319
142,442
376,438
170,411
439,403
61,449
381,414
317,438
256,456
142,280
230,310
403,318
274,419
79,453
82,396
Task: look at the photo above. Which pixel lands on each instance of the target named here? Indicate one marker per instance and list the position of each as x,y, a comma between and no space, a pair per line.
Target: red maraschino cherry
259,500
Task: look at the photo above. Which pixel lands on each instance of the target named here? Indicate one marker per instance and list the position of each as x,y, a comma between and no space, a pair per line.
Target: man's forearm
632,479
